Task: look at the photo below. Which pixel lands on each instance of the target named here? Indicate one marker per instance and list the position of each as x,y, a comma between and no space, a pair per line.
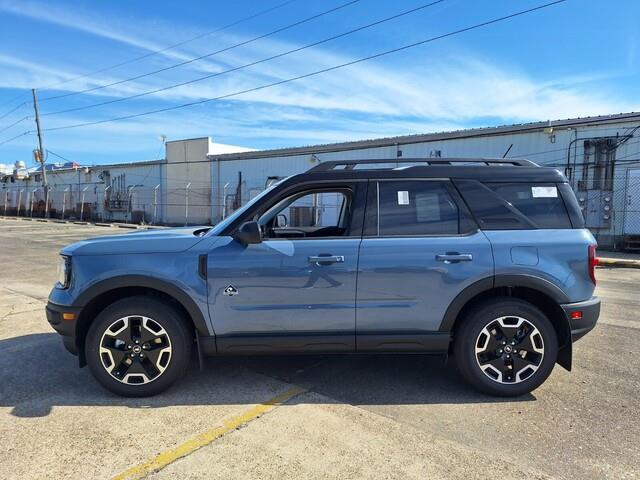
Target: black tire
159,328
539,349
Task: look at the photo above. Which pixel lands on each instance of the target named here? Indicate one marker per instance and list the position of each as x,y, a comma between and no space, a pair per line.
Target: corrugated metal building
200,182
175,190
600,156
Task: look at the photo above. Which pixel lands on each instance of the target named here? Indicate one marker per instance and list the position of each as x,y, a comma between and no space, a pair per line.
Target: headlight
64,272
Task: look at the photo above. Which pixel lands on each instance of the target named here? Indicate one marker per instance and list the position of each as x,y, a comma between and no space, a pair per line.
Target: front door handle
326,259
454,257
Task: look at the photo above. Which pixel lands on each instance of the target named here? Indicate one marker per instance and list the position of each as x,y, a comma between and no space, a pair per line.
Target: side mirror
281,220
248,233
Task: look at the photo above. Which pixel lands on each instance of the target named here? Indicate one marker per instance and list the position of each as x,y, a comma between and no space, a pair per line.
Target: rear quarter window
541,203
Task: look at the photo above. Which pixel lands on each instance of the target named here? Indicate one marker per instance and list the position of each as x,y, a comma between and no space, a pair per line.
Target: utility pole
42,154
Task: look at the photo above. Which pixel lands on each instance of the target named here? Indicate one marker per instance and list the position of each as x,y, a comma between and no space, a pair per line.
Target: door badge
230,291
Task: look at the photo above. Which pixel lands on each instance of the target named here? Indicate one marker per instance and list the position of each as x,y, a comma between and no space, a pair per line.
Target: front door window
310,214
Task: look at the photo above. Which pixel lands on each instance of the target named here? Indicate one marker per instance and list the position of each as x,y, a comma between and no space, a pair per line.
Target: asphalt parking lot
347,417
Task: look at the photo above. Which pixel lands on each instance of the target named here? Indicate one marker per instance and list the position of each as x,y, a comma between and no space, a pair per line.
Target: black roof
493,169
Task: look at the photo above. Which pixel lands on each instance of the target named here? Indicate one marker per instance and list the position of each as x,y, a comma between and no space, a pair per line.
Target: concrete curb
618,263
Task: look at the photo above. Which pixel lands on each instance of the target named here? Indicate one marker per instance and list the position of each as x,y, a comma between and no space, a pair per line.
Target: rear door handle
326,259
454,257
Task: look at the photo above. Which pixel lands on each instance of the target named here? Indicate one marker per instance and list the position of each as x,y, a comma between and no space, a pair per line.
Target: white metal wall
158,193
69,188
549,148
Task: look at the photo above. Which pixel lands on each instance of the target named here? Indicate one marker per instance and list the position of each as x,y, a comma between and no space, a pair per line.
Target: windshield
220,226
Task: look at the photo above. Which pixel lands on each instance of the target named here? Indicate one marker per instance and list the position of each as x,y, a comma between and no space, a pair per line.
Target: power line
13,109
13,124
59,156
162,50
150,54
16,137
208,55
317,72
175,45
251,64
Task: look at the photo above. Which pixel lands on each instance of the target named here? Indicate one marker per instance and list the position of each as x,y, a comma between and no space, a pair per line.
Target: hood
149,241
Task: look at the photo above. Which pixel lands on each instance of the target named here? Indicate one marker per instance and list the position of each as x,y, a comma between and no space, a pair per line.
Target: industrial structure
200,182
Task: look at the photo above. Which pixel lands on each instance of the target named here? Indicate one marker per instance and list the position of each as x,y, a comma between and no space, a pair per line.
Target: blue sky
577,58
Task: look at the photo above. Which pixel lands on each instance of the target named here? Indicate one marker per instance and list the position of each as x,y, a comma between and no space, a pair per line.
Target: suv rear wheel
138,346
505,347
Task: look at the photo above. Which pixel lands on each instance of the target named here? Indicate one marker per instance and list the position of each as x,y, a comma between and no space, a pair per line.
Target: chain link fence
611,206
95,203
188,205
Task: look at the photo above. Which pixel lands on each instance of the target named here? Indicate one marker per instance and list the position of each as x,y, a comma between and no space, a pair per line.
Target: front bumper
64,326
590,310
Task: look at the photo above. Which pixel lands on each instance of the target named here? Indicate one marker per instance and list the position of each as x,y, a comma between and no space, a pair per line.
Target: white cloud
76,20
458,89
362,101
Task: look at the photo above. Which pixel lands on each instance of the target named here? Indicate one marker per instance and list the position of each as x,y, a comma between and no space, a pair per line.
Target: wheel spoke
493,343
519,363
157,343
150,368
122,368
498,332
116,348
497,363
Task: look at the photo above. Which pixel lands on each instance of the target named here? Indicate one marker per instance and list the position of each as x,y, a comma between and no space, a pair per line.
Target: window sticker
544,192
403,197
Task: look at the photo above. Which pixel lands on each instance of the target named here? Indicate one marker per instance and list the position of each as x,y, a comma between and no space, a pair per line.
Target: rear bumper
66,328
590,310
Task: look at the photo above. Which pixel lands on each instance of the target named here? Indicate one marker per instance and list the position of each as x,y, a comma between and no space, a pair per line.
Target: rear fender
509,284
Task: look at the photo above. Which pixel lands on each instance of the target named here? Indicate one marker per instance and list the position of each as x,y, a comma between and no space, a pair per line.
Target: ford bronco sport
485,259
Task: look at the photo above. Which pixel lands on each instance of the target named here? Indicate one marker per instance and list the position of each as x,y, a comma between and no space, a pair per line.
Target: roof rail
352,164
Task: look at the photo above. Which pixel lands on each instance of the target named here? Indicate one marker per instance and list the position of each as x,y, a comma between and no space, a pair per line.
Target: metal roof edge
424,137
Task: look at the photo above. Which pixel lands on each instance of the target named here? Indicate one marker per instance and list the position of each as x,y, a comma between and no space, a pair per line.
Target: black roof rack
352,164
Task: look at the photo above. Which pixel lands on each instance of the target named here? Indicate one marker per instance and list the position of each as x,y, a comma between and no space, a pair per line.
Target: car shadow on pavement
37,374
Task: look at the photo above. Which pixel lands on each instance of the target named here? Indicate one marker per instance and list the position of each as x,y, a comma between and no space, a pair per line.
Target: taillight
593,262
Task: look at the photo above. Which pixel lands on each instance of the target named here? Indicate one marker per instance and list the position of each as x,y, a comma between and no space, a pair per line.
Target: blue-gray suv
486,259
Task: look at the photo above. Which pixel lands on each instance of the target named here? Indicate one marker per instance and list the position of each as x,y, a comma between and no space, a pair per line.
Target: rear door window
415,207
541,203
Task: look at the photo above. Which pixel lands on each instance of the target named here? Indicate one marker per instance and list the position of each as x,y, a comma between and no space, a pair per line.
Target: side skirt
267,344
435,342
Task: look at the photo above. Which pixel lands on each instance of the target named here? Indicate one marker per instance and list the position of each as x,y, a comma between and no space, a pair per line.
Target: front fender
144,281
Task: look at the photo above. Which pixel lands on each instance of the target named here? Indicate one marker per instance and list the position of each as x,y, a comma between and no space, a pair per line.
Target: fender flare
514,280
462,299
124,281
488,283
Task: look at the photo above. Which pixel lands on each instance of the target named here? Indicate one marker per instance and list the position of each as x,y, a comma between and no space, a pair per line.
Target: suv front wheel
138,346
505,347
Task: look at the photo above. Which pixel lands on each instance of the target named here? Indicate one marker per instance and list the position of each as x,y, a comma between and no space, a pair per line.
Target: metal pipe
131,203
82,203
155,203
46,201
33,193
19,202
104,202
64,201
224,200
186,204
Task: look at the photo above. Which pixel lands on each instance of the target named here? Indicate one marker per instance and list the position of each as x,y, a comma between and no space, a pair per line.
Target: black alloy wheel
505,346
138,346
